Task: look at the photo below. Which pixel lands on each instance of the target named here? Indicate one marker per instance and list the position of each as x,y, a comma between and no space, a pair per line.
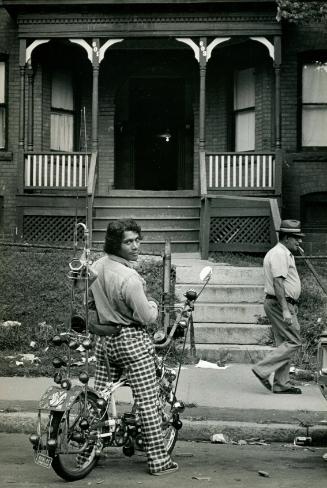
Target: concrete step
158,234
158,247
152,222
231,333
246,354
149,199
224,293
142,212
222,275
228,313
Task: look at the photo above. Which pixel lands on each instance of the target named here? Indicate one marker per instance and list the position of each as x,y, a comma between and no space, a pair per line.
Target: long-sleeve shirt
119,293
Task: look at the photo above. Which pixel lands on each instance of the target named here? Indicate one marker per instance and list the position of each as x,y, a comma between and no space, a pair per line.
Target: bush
312,316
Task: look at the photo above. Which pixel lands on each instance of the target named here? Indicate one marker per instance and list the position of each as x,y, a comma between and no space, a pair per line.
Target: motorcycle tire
69,465
170,433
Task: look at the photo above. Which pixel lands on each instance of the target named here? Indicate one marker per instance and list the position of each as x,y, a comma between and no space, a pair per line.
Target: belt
288,299
133,324
110,329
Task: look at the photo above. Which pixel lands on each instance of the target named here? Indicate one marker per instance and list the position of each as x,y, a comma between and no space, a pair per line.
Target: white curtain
314,108
62,124
245,131
244,109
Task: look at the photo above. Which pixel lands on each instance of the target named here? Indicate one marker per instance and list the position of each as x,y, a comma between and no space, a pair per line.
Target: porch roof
143,18
44,3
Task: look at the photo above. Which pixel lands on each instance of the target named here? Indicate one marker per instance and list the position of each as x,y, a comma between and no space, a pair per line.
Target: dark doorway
157,113
153,144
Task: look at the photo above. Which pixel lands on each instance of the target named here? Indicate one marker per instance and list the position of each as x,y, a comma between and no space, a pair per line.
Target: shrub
312,317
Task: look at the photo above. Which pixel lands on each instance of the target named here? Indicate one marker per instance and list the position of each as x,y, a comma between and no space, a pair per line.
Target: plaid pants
133,352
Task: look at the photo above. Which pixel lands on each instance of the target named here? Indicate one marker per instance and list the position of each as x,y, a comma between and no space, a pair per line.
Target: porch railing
56,170
240,171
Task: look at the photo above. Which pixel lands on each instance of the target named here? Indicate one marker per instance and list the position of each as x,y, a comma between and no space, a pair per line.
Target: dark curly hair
115,232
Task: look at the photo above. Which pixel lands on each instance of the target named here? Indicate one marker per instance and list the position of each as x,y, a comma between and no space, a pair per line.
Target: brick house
202,119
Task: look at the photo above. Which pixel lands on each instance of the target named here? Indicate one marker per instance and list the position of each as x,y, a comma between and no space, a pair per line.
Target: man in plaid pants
120,299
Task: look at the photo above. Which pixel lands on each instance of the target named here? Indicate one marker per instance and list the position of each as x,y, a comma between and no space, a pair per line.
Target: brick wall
304,172
8,157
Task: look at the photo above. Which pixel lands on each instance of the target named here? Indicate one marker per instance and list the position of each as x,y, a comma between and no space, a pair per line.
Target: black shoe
170,469
264,381
289,391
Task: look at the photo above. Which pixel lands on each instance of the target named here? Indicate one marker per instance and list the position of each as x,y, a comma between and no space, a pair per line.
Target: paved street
201,464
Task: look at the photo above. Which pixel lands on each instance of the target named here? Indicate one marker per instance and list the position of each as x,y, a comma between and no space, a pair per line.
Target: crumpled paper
207,364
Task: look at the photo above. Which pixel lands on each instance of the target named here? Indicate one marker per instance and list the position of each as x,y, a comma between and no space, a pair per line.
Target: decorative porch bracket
95,51
31,48
267,43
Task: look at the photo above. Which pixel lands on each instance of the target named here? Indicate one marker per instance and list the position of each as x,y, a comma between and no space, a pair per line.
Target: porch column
202,98
30,121
277,67
95,93
22,57
21,129
278,132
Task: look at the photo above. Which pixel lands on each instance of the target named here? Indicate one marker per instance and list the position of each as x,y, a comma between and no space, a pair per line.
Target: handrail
56,170
275,215
241,171
92,179
203,174
92,174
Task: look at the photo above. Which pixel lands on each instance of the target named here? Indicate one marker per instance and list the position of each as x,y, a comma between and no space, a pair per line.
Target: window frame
249,109
62,111
307,58
4,59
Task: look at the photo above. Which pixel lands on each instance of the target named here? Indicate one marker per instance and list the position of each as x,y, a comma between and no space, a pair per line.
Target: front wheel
169,430
76,434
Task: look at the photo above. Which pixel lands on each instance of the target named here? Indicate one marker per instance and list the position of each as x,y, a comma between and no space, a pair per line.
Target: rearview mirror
205,273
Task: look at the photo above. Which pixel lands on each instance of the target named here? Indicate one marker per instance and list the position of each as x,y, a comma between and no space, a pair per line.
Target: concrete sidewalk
229,401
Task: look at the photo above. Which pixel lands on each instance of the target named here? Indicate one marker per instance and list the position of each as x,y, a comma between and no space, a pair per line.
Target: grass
237,258
35,295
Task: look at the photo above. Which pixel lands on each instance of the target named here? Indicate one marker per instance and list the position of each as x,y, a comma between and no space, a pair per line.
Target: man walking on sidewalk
282,288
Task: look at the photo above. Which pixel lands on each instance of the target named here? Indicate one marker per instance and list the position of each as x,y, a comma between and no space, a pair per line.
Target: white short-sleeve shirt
280,262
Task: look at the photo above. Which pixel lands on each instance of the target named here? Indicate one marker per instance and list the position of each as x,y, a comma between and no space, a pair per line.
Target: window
62,111
314,212
244,109
2,104
314,104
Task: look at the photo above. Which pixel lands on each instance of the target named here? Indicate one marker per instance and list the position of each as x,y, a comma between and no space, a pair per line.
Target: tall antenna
82,132
84,126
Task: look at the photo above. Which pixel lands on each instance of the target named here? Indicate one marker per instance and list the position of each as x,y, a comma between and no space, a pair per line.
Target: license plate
43,460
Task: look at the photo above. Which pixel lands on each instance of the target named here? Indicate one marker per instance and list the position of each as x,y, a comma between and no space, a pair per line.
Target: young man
120,300
282,288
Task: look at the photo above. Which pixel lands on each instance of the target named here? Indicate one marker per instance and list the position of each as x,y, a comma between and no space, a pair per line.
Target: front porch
236,209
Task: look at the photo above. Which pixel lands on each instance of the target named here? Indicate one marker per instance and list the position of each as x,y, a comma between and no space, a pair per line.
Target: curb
197,430
275,432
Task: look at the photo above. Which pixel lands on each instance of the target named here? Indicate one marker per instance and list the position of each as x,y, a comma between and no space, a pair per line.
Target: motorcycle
76,422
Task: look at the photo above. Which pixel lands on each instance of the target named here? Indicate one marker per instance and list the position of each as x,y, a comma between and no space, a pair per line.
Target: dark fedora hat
291,227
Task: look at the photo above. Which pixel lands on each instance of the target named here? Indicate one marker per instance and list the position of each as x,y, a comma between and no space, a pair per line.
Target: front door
154,139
